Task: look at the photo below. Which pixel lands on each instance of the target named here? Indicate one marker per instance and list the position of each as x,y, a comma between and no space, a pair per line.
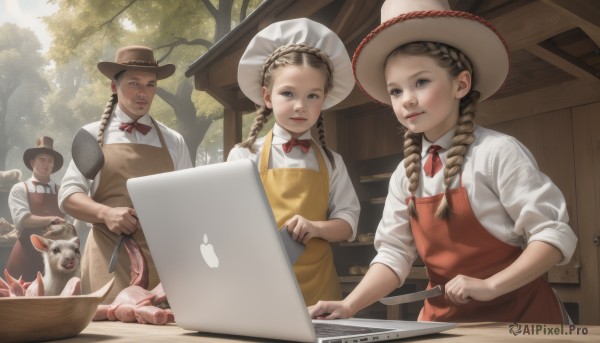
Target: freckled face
296,98
136,90
424,97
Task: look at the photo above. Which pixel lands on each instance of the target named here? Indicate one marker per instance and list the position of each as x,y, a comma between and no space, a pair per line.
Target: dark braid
110,105
321,130
455,62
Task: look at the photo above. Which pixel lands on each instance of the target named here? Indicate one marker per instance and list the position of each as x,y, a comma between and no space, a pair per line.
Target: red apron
24,259
462,245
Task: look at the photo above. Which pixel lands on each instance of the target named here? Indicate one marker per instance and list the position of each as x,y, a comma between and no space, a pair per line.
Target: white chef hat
295,31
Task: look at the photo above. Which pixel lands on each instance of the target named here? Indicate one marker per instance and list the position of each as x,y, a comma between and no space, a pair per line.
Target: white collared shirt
74,182
509,195
343,202
17,198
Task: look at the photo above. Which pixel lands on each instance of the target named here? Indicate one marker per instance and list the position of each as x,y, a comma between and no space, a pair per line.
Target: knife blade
115,255
410,297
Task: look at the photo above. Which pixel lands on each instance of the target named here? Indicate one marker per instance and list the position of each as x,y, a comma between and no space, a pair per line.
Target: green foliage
87,31
22,86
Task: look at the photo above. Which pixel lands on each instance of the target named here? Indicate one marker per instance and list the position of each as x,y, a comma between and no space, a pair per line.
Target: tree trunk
193,128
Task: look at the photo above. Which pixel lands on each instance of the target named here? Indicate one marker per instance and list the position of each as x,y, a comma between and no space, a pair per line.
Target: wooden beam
358,16
555,97
225,97
302,9
232,130
586,125
586,11
531,24
593,32
563,61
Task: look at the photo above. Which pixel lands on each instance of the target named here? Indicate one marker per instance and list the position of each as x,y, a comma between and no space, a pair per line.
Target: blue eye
422,82
395,92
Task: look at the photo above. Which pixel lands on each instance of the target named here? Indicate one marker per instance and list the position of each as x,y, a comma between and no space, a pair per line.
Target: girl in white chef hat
469,201
293,70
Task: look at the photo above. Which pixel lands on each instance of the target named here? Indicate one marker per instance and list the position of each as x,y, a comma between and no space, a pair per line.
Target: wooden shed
550,102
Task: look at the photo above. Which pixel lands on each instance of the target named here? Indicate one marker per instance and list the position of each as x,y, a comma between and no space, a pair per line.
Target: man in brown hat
133,144
33,205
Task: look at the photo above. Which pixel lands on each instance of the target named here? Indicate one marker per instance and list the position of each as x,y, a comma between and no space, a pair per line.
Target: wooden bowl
34,319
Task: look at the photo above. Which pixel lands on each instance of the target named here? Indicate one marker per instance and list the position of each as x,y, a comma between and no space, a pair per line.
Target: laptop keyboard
334,330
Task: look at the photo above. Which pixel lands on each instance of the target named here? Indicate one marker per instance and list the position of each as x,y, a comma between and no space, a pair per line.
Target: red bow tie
129,127
304,144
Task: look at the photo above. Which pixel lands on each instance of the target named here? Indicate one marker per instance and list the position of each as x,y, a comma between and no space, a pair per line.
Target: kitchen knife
115,255
410,297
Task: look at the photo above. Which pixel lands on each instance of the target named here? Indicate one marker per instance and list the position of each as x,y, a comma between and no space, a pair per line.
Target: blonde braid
105,117
321,131
259,121
301,48
460,143
463,137
412,165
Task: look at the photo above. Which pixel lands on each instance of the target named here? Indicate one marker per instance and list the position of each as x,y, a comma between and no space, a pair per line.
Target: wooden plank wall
566,145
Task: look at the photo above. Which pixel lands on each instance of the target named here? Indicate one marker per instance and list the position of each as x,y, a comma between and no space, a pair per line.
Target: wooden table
473,332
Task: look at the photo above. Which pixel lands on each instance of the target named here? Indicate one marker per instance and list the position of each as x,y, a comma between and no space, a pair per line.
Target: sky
26,14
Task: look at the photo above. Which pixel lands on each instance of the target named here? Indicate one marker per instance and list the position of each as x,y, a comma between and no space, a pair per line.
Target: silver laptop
223,263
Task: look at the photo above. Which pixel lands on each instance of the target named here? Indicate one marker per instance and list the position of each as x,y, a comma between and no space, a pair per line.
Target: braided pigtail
456,62
259,121
321,131
110,105
460,143
412,165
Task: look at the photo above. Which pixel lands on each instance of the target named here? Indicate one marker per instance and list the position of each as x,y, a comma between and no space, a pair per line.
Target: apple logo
208,253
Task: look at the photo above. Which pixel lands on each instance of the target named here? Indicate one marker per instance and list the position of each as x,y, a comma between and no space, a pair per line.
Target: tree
179,31
22,84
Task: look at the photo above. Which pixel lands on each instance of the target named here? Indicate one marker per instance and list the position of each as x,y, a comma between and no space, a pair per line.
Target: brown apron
24,259
305,192
122,161
463,246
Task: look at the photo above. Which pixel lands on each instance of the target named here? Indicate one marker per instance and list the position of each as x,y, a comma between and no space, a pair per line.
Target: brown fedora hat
139,58
43,145
406,21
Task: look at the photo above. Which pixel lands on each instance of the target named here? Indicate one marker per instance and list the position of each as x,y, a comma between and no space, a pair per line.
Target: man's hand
121,220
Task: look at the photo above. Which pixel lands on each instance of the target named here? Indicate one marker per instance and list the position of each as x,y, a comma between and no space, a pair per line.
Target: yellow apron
121,162
305,192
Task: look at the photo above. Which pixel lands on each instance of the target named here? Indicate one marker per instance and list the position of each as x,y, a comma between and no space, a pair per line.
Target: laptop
223,263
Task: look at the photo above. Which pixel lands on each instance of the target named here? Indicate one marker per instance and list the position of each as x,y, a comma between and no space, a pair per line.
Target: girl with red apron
432,66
